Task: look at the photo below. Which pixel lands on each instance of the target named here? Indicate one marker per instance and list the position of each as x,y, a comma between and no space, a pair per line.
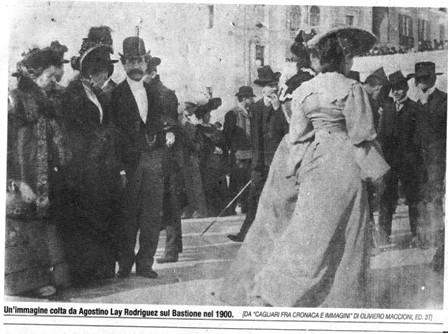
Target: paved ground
399,276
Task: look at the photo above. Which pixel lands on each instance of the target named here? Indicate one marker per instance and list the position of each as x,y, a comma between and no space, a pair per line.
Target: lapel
89,111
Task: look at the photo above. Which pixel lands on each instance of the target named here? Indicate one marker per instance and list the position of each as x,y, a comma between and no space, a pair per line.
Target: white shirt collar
135,85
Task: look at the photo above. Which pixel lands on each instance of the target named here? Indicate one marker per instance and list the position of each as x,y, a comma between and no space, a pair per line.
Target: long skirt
307,246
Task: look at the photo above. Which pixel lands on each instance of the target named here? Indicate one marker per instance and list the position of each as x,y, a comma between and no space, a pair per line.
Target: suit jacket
135,135
269,126
396,132
431,123
236,137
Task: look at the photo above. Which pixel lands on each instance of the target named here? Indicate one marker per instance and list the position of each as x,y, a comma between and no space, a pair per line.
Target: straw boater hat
355,41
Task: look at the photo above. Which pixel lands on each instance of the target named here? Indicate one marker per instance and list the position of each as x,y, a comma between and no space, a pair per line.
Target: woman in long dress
92,193
308,244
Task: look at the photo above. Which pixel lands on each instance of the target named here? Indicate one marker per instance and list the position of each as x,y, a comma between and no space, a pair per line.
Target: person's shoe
167,259
147,273
236,237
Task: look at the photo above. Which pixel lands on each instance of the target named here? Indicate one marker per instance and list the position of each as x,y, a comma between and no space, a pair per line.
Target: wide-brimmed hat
60,50
245,91
152,62
96,56
37,59
355,41
380,75
397,78
96,45
212,104
133,47
266,76
424,69
353,75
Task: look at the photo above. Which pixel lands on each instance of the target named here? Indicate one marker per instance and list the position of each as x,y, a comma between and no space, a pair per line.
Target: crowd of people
307,162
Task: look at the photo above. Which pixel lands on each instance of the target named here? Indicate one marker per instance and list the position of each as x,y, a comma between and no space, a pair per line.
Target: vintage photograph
226,154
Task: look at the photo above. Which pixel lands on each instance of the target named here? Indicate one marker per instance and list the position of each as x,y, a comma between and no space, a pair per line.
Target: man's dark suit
395,134
268,127
171,221
431,140
143,160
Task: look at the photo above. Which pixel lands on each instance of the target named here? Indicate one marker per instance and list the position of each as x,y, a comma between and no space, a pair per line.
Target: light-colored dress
308,244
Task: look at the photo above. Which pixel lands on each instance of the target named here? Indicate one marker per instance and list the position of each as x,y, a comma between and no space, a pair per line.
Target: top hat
133,47
353,75
355,41
397,78
380,75
266,76
423,69
245,91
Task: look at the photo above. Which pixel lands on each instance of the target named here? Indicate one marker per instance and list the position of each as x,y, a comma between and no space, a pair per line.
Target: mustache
135,71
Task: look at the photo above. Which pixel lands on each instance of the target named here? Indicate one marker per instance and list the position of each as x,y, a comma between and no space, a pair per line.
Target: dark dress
92,190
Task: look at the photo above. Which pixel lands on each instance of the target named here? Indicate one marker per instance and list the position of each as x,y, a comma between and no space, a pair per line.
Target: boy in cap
395,134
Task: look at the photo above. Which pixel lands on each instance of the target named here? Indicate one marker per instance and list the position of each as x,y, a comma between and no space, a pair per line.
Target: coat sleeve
361,131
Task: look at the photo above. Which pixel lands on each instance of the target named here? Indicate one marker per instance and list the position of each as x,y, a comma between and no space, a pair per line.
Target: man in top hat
237,137
431,140
173,160
139,118
268,127
395,135
376,85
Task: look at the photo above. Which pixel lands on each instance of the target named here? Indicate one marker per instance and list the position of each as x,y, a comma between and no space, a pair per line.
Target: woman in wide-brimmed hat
308,244
92,196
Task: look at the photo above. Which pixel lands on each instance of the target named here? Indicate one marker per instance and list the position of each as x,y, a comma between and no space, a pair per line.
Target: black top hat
353,75
266,76
423,69
380,75
397,78
245,91
133,47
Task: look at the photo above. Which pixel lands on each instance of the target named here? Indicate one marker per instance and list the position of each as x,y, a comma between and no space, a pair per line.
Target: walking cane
226,207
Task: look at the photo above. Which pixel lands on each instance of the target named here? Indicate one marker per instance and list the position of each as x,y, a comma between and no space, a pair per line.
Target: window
211,14
424,31
405,31
314,16
294,20
259,55
349,20
442,32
